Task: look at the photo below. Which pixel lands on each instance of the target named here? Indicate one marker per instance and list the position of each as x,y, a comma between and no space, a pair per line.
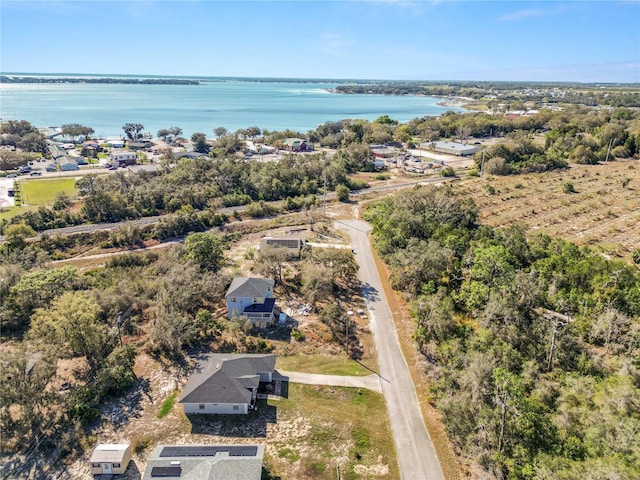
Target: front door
106,468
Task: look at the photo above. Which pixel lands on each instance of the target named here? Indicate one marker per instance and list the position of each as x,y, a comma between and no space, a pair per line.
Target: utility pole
608,150
346,335
482,165
119,324
324,190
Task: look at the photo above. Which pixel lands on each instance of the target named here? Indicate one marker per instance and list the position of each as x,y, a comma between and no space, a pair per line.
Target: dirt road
414,450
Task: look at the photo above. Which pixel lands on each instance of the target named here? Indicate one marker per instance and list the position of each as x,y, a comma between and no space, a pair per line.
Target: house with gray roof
205,462
226,383
251,297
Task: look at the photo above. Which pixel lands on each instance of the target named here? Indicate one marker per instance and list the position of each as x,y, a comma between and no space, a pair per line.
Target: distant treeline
614,95
134,81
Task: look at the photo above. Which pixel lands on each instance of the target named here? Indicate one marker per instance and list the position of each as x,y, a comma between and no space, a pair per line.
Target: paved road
140,222
416,456
371,382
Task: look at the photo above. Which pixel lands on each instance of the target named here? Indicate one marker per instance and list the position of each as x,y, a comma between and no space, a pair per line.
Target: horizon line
322,79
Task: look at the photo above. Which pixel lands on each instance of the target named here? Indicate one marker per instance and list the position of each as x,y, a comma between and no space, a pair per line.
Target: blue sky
429,40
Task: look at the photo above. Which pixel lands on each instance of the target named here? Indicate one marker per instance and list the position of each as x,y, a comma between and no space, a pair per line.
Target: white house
252,298
122,156
110,458
115,143
226,383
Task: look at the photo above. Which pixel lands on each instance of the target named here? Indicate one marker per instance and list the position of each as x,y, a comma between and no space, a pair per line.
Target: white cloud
521,15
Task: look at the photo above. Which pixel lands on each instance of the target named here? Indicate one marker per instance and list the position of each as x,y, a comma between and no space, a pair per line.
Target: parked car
35,174
12,175
107,165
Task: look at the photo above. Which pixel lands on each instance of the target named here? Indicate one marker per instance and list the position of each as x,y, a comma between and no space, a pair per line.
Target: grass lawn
44,191
324,364
335,427
10,212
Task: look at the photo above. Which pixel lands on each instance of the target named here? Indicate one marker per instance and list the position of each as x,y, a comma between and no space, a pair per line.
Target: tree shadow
132,472
127,406
252,425
370,293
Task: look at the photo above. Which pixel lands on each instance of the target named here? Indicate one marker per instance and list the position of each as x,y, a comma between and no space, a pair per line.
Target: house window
201,406
236,408
255,300
234,299
95,465
116,465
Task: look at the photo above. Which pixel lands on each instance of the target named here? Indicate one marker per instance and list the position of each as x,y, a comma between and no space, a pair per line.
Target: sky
573,41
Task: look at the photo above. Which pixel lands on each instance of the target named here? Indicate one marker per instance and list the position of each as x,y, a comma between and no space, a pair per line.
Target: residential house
205,462
136,146
67,164
297,145
115,143
252,298
119,157
293,244
110,458
226,383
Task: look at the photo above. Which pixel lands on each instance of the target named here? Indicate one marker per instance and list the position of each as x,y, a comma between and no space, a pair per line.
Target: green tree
220,132
200,142
70,326
17,234
133,130
33,142
75,130
36,289
205,249
342,193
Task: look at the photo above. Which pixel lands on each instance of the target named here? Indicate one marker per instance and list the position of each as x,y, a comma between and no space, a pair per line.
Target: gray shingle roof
246,287
226,378
222,465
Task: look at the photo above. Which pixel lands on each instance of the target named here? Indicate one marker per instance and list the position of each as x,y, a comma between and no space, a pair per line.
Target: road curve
416,456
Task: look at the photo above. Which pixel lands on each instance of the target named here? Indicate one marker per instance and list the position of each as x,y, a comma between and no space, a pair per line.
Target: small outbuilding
110,458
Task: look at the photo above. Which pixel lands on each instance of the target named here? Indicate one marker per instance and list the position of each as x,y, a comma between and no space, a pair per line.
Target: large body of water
232,104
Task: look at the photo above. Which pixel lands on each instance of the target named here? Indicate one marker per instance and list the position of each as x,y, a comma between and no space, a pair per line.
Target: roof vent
175,463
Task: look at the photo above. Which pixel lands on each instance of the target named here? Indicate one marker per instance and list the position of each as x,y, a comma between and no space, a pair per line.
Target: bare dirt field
603,212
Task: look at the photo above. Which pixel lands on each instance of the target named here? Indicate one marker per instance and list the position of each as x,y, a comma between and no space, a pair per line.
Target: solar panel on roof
166,471
209,451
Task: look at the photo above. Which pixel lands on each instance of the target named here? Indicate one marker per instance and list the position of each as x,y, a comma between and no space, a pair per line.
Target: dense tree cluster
22,135
533,343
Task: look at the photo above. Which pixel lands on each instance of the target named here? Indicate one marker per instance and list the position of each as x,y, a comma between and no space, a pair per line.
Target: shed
110,458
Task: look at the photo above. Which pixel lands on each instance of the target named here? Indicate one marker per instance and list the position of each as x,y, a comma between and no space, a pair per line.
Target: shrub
448,172
567,187
342,193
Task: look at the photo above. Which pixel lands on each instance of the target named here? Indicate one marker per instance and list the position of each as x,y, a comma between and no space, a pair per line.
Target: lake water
232,104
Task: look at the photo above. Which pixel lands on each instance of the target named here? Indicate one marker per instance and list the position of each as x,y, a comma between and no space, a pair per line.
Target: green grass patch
291,455
44,191
10,212
166,406
335,365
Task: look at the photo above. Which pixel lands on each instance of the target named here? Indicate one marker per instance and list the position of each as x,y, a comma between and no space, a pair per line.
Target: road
141,222
416,456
